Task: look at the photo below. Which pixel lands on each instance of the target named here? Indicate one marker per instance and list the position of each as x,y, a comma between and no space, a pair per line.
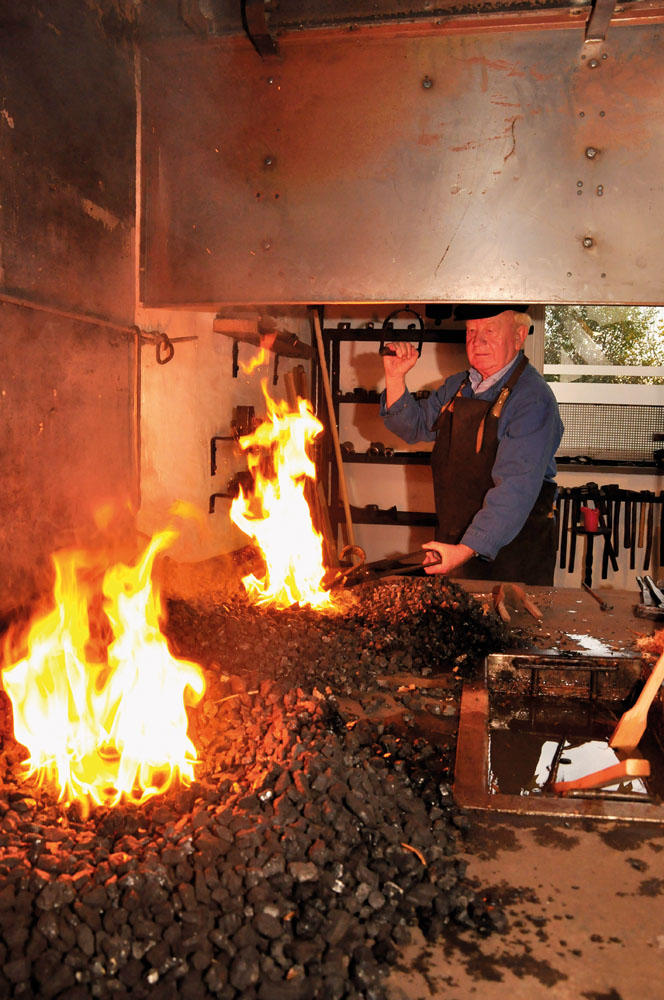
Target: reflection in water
522,750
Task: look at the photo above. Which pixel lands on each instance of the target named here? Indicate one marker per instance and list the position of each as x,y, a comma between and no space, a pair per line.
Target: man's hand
399,363
396,367
442,558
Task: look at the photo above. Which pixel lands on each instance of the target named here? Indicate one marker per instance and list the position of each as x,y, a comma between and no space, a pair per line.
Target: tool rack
333,337
631,525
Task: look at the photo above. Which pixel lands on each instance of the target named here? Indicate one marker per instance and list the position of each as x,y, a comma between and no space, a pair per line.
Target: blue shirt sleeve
413,419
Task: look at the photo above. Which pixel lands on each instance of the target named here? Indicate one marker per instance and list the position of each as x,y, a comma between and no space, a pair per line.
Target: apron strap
503,395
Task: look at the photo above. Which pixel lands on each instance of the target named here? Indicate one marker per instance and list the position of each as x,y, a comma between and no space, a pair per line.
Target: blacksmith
496,429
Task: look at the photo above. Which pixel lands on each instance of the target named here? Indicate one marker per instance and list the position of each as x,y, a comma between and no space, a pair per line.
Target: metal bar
599,20
67,314
657,370
362,335
554,659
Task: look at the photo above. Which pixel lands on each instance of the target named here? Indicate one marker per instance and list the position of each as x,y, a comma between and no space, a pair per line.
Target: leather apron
462,462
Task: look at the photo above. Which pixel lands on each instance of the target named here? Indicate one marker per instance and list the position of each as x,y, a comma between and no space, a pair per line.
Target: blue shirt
529,432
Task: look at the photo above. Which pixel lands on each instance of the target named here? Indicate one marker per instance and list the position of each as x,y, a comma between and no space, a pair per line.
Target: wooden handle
630,729
631,768
333,428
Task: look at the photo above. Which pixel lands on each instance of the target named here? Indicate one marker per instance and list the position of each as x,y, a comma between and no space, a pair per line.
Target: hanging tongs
386,328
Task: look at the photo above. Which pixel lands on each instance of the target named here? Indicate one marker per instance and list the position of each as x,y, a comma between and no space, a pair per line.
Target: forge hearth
311,843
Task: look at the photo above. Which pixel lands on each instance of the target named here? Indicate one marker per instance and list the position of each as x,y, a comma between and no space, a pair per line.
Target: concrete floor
585,910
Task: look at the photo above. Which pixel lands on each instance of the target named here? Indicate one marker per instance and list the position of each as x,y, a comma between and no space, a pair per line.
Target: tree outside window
604,344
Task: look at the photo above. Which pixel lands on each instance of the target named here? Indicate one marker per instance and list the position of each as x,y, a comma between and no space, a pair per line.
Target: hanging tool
333,427
606,508
603,605
632,725
633,535
564,528
628,521
642,517
633,767
386,351
650,530
576,507
616,521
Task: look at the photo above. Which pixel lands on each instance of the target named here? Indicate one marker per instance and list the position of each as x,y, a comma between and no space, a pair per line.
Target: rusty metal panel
404,167
67,440
68,153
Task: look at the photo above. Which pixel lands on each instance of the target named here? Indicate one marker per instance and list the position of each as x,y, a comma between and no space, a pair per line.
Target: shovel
632,768
632,725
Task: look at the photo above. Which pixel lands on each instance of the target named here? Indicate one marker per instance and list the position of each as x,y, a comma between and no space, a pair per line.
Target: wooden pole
333,428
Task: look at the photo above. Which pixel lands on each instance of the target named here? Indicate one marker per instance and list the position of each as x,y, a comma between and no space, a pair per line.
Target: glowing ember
277,515
102,710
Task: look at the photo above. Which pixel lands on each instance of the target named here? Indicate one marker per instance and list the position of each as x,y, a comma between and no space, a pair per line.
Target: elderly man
496,429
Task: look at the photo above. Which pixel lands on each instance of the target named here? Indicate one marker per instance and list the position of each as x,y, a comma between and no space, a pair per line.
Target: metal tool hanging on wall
281,343
386,328
162,342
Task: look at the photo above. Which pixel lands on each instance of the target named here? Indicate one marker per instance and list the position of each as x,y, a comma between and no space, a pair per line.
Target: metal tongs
651,593
519,598
395,566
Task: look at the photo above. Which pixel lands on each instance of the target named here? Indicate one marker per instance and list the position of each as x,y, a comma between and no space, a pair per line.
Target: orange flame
277,515
254,362
107,725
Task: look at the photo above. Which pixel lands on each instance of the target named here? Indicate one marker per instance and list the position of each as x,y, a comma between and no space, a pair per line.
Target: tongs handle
386,351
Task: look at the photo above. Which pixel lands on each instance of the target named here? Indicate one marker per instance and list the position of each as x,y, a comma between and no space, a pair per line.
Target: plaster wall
183,405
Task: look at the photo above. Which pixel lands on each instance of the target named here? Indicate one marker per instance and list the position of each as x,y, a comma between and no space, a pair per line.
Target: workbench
573,620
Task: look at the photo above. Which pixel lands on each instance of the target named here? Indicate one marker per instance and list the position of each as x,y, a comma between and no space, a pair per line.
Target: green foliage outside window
604,335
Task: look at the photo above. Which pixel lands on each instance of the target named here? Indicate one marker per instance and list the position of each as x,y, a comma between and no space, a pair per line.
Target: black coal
297,864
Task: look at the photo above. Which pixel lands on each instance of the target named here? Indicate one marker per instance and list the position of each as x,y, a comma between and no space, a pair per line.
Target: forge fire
98,699
311,841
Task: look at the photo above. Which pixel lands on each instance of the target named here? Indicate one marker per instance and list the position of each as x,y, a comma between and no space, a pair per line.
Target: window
606,368
619,348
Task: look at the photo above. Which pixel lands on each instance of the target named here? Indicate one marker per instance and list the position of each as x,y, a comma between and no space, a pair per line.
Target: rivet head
270,79
269,160
267,245
579,184
593,64
588,241
427,83
602,114
591,152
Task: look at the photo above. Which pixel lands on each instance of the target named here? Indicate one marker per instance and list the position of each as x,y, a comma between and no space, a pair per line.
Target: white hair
523,319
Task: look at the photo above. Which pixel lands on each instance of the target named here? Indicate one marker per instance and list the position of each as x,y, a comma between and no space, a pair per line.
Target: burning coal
277,515
98,700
